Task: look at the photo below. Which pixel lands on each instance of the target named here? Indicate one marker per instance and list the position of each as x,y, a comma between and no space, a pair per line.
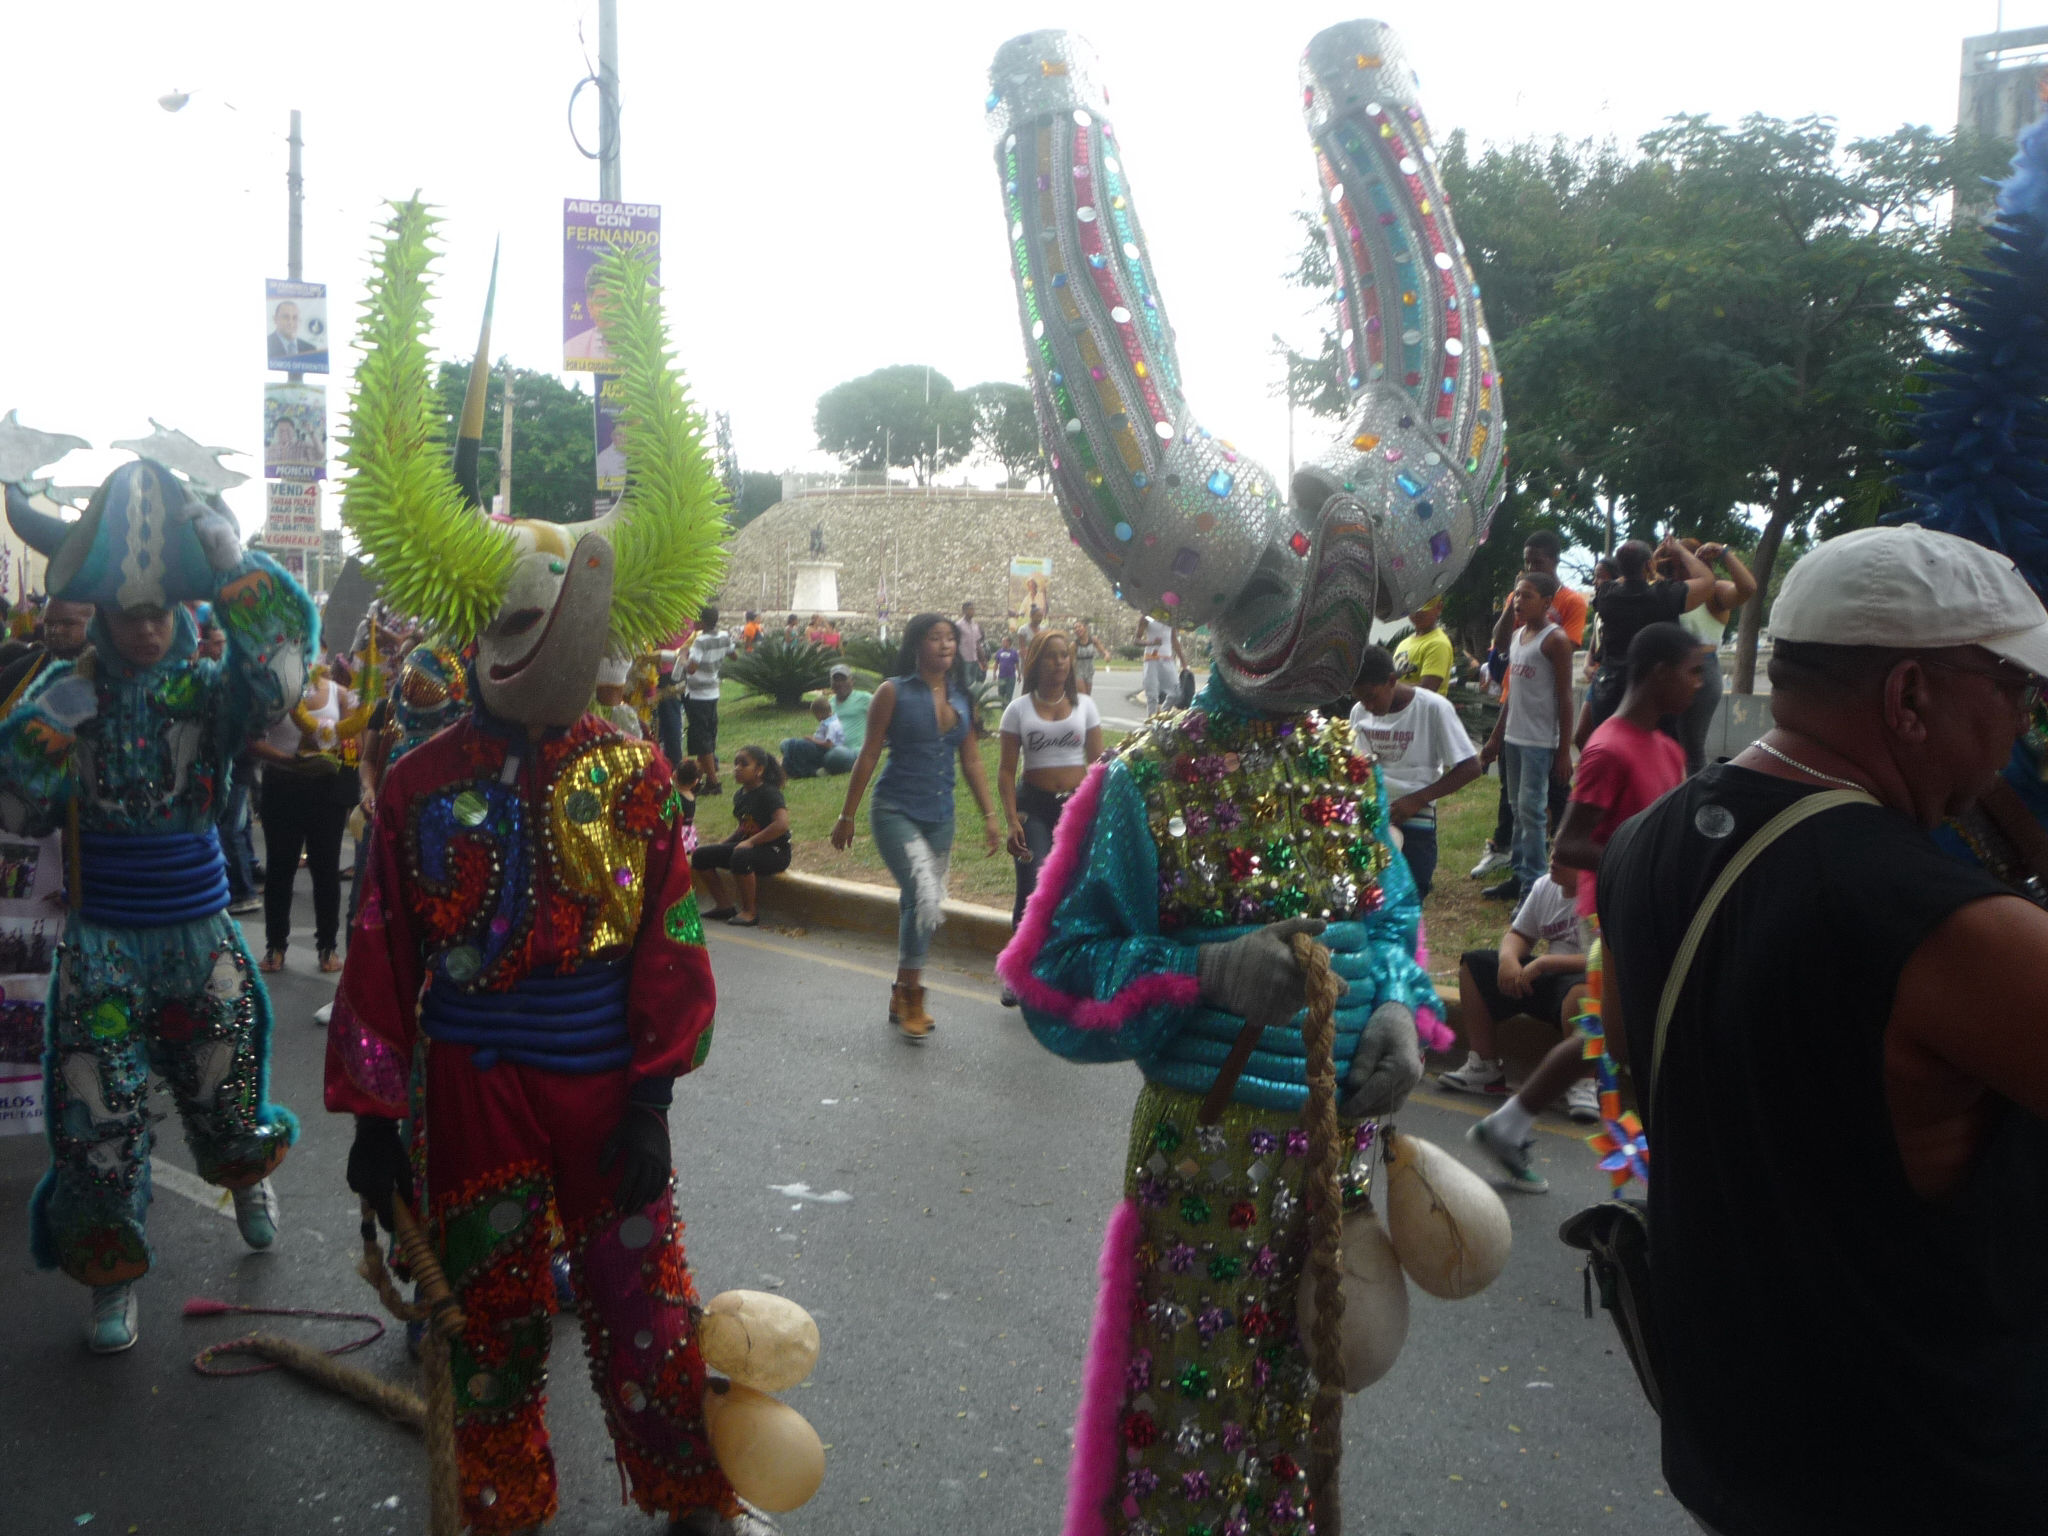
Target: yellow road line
1433,1100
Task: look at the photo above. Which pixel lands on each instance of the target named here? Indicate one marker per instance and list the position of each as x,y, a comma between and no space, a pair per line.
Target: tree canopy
909,416
1006,431
554,448
1717,331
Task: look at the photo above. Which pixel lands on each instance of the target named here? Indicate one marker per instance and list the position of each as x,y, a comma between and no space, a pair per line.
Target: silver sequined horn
1180,520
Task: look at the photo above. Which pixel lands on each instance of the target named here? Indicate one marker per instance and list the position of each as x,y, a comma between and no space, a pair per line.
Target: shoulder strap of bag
1769,833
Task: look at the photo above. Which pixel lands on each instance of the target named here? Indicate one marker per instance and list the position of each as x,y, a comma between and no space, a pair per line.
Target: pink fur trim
1069,849
1091,1478
1436,1034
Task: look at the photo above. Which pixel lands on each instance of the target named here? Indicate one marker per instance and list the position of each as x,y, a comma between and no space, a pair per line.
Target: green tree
759,491
554,441
908,415
1006,430
1715,331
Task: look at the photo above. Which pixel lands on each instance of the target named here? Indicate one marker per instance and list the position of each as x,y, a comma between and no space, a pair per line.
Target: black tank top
1837,1353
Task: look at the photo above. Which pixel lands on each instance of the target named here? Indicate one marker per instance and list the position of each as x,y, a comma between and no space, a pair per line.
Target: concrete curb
969,931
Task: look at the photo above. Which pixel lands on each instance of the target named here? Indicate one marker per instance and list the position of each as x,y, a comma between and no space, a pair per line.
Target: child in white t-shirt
1496,984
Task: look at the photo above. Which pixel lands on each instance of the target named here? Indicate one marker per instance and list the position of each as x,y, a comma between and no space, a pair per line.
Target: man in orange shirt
1540,552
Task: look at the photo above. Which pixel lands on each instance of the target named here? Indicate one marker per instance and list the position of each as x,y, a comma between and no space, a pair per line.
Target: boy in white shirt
805,757
1423,750
1498,984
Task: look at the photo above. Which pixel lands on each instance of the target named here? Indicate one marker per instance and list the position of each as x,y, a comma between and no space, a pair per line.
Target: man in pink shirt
1627,766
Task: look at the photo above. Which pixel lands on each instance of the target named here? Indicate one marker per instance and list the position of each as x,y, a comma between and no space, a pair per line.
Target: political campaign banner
589,229
609,400
31,919
295,316
1030,586
292,515
295,431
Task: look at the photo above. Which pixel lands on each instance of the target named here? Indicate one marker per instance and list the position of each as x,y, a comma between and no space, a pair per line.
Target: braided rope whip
1325,1219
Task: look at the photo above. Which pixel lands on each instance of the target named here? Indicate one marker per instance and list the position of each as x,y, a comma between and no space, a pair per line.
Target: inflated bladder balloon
1375,1323
760,1340
1447,1224
767,1450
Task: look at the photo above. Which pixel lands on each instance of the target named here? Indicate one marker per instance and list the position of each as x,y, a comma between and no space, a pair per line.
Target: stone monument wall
935,548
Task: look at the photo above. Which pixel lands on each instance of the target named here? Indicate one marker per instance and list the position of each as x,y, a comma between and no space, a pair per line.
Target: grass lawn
1458,919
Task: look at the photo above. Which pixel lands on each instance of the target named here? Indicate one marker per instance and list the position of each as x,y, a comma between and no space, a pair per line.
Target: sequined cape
1204,825
493,859
149,750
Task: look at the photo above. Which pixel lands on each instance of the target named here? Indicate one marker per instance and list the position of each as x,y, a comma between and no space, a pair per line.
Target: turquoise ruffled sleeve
1109,985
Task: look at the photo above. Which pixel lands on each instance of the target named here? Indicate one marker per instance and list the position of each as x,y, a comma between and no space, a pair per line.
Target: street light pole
608,100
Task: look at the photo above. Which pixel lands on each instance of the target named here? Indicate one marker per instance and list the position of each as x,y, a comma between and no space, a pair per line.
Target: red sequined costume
527,959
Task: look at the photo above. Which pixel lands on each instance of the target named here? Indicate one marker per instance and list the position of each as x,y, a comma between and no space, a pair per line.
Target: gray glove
217,534
1386,1066
1256,975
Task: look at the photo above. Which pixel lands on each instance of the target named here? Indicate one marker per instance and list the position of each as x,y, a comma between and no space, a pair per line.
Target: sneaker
323,1014
1008,999
246,906
1582,1101
1509,889
1514,1161
1490,861
256,1214
1478,1075
112,1326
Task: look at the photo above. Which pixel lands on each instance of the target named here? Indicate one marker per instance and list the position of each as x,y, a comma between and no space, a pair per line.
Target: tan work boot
906,1012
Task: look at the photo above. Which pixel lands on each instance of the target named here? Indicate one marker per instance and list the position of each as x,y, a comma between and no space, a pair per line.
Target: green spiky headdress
437,557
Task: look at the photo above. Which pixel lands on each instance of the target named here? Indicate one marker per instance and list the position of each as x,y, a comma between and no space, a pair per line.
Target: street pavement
938,1210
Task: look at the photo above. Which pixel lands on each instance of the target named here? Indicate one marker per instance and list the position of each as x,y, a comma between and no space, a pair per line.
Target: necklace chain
1793,762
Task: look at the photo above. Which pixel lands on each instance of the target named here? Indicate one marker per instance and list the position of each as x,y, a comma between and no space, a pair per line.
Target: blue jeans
1527,772
236,841
917,853
803,758
1418,847
668,726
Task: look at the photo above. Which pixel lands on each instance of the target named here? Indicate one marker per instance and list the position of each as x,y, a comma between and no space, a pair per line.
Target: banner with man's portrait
295,315
295,431
589,229
1030,587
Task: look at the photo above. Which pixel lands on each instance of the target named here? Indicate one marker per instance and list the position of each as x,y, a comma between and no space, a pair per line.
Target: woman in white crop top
1055,732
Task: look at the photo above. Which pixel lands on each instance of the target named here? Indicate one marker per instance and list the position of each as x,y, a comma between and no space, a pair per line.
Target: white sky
829,199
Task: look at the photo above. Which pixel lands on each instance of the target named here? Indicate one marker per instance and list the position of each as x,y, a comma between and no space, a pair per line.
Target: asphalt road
950,1264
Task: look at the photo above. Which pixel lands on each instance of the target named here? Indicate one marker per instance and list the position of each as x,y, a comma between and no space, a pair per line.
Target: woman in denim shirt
926,717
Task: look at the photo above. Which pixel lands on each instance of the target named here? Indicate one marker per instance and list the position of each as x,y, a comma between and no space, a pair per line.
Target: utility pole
608,101
504,506
295,184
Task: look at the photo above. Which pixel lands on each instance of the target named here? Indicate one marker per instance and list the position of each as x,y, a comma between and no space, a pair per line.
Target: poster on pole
31,919
292,515
611,436
589,229
295,431
1030,586
295,315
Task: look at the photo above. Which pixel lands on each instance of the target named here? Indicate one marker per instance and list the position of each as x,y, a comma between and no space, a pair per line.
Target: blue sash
574,1023
136,880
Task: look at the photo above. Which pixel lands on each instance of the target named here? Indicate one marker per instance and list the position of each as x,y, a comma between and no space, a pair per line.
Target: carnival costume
133,764
528,976
1979,469
1214,833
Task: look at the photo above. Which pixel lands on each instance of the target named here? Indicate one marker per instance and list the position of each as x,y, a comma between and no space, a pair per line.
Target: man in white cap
1845,1087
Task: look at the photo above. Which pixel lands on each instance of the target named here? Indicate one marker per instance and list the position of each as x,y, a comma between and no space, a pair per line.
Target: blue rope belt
133,880
574,1023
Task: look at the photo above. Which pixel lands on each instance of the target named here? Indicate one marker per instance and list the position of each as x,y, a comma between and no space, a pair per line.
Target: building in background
2003,78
